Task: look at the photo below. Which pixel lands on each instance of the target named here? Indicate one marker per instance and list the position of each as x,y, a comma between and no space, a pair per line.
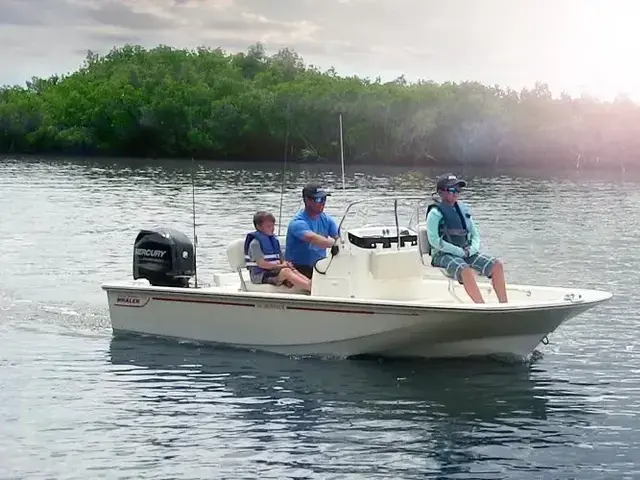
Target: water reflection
456,413
365,177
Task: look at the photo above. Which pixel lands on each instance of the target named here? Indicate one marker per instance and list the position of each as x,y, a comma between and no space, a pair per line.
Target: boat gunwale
373,305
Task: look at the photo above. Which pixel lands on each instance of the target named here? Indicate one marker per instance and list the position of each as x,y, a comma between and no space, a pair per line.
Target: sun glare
600,48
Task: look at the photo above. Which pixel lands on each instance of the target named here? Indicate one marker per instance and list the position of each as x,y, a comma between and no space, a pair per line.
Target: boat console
371,237
370,259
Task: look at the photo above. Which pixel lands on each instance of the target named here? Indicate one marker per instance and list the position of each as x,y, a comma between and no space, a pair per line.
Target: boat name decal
276,306
129,301
147,252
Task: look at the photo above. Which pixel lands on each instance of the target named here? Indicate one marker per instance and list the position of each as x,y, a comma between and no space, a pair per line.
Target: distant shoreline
205,104
334,165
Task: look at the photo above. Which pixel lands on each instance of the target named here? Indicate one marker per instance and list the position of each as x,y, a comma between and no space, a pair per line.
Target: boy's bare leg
295,278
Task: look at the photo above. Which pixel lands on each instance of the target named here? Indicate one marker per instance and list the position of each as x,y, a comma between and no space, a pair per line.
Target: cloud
37,12
509,42
124,15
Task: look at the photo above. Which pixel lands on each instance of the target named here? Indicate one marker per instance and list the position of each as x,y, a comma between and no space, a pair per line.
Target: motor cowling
165,257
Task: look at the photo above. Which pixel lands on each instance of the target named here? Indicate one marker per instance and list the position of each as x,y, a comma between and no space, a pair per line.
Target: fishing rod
342,154
284,165
193,206
193,191
286,151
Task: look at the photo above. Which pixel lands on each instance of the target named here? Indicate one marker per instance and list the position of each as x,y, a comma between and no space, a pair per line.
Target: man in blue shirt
455,241
310,231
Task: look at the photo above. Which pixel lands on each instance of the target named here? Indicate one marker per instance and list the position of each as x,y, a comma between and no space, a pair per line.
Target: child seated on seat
263,256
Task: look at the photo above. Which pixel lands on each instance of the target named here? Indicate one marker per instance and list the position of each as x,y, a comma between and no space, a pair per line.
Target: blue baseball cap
314,190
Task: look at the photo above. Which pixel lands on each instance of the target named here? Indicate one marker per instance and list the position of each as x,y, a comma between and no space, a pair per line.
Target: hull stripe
238,304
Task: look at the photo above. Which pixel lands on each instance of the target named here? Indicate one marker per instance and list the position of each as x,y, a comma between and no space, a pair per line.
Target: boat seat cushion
423,242
235,254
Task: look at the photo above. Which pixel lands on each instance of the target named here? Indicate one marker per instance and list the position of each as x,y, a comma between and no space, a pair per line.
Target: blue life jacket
453,226
270,246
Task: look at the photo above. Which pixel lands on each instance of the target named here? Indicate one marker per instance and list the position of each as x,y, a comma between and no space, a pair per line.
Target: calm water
75,403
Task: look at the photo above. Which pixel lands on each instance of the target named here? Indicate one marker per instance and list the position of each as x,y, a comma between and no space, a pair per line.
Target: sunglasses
318,199
453,190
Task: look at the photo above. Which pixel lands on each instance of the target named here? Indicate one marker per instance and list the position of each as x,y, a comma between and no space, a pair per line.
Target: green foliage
206,103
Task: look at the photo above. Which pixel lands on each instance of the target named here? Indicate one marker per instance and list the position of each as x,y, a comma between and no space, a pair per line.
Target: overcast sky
574,45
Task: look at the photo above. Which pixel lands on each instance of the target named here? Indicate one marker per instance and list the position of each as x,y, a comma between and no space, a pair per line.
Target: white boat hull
309,326
379,295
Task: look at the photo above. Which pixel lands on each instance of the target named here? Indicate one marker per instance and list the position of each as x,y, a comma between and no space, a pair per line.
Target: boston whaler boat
379,295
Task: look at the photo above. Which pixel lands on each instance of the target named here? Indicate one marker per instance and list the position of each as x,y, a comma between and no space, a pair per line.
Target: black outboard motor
164,257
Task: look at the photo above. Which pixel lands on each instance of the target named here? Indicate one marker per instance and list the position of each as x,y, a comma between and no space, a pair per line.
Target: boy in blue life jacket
455,241
263,256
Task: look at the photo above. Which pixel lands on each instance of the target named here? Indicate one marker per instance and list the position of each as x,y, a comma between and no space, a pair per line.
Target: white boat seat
423,248
235,256
423,244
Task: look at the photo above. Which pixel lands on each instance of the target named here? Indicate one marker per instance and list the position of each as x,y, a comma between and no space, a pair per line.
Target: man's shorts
453,266
306,270
266,277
